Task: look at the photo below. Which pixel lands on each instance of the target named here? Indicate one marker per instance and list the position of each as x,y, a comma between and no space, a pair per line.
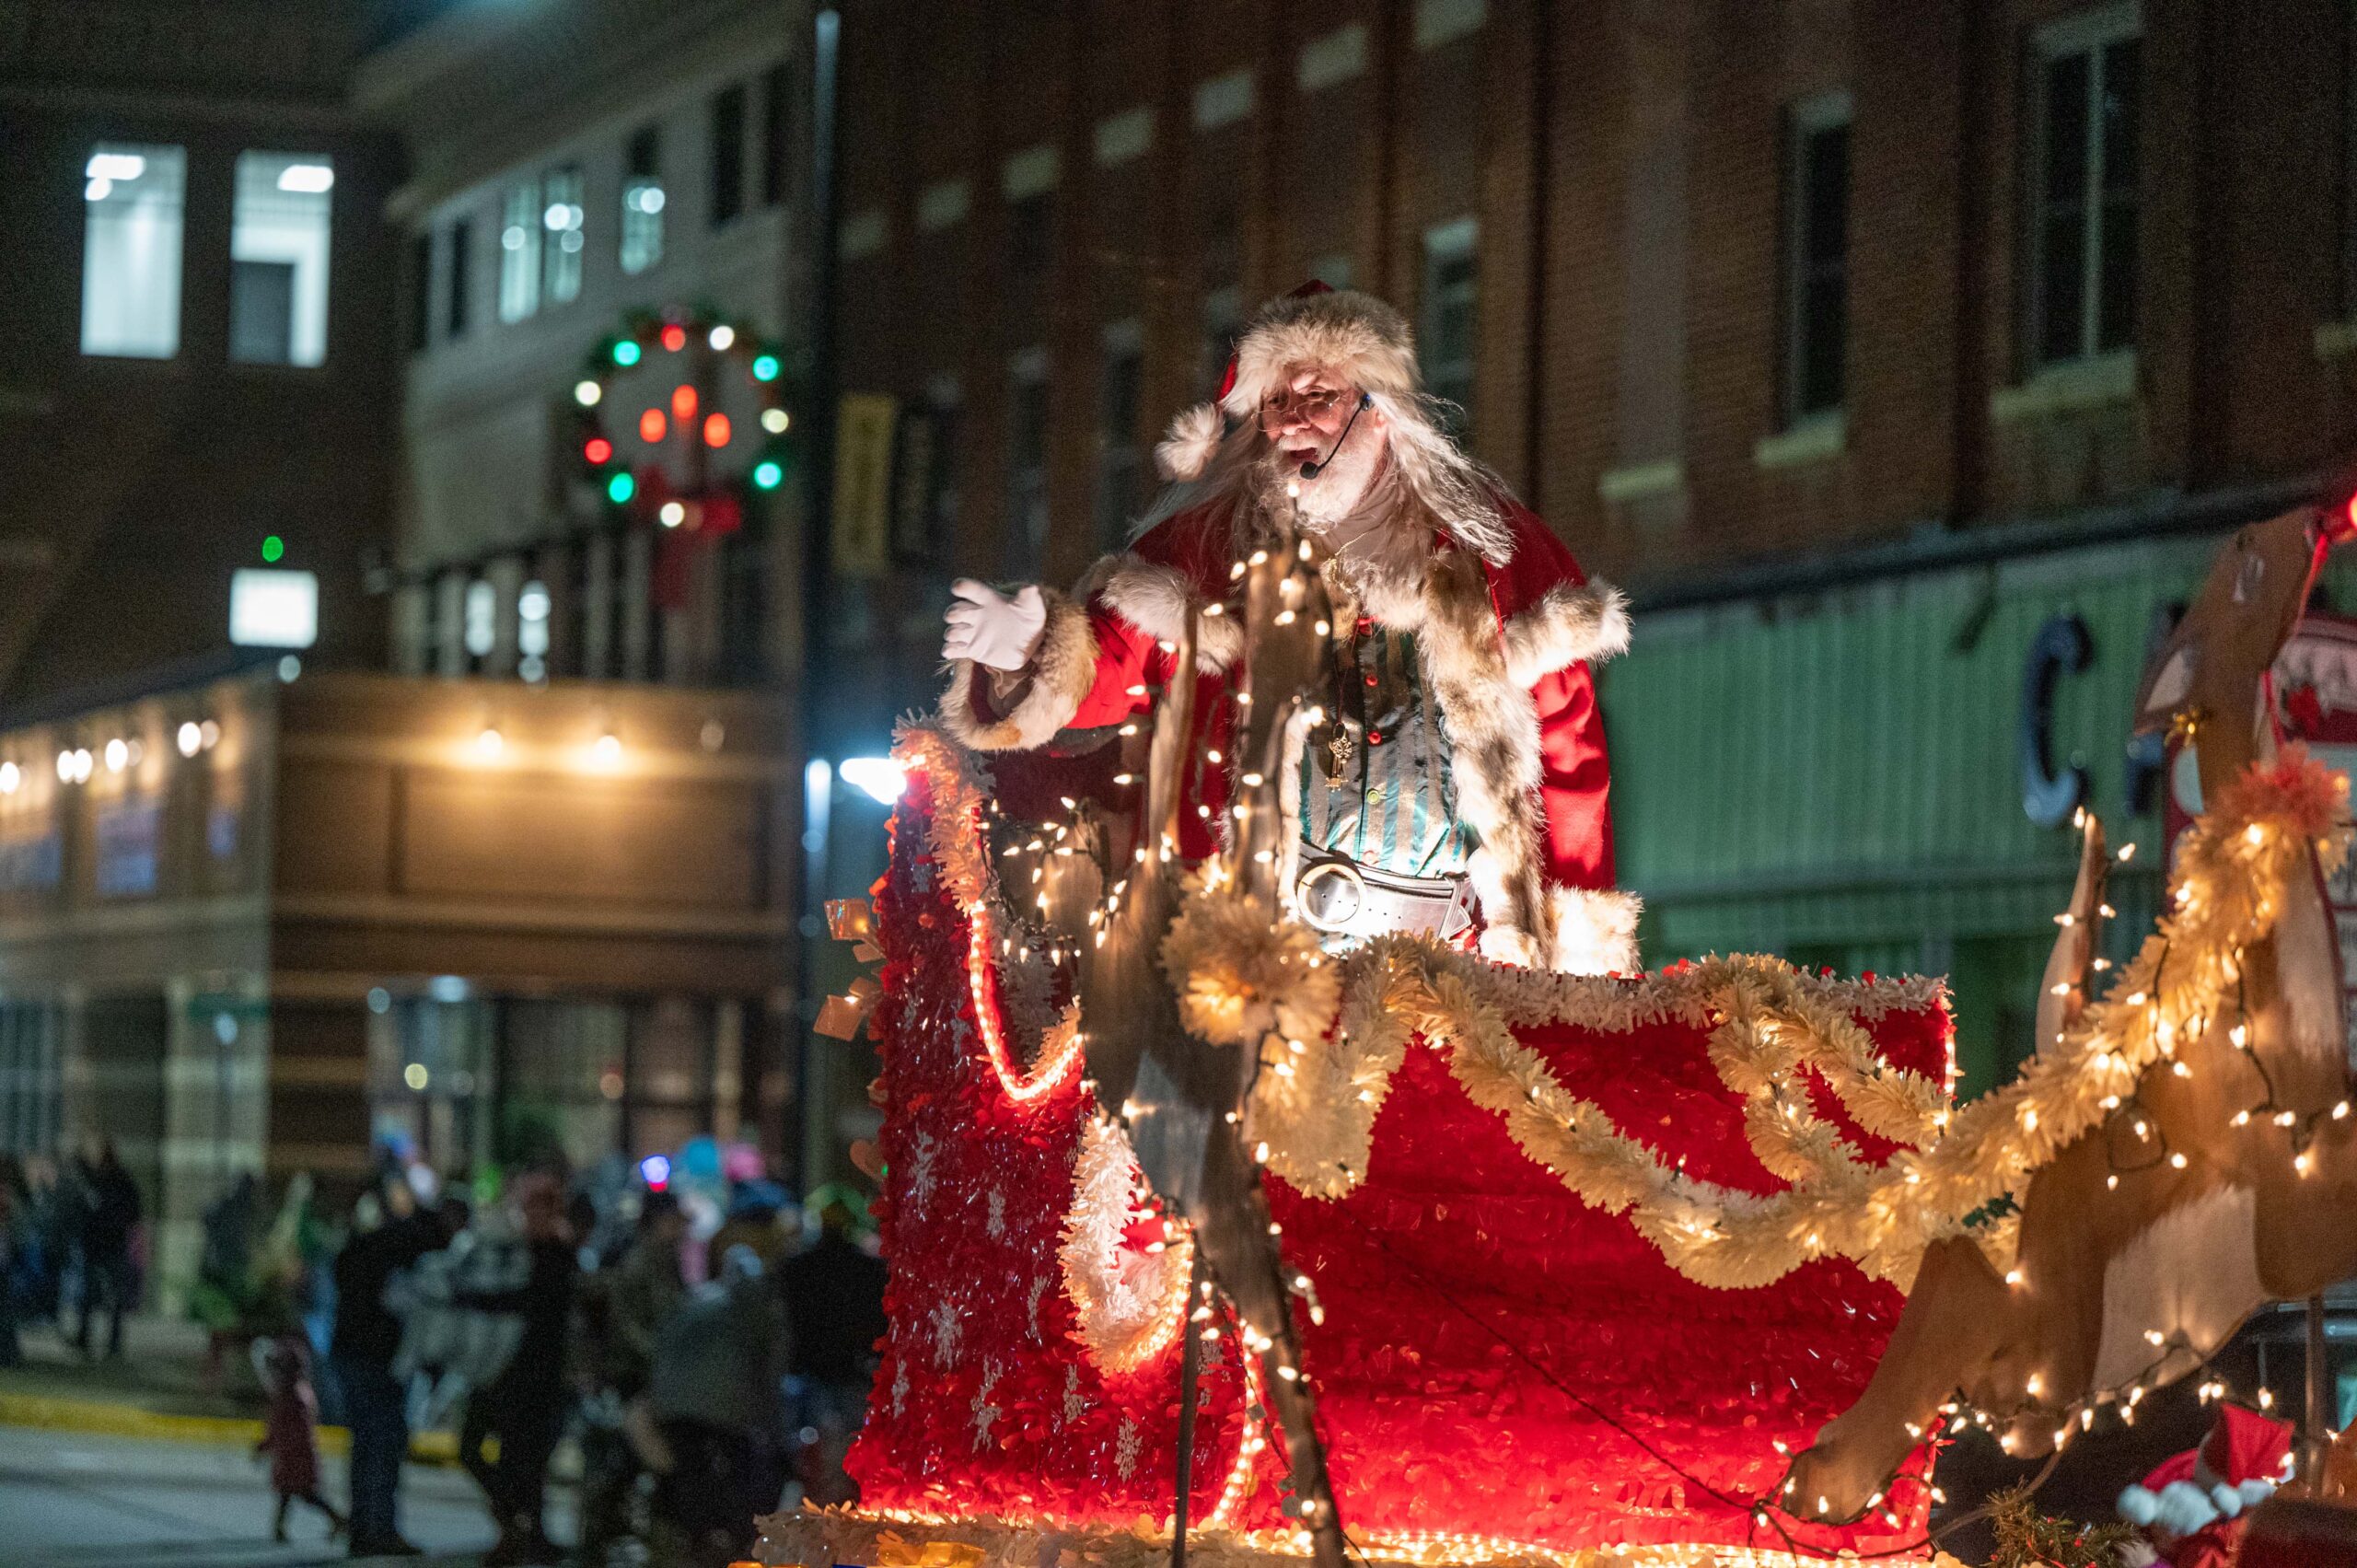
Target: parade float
1207,1241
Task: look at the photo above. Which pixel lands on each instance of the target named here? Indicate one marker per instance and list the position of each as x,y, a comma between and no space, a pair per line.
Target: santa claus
1455,781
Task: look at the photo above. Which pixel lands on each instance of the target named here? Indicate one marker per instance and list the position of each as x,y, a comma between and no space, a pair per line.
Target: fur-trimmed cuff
1062,670
1570,622
1596,933
1155,599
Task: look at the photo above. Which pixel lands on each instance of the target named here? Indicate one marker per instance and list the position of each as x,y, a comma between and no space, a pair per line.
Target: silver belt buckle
1330,895
1341,898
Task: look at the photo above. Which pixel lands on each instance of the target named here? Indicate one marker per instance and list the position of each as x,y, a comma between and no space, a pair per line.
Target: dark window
777,135
925,508
2348,167
1031,230
1120,466
1222,318
462,244
727,153
1452,308
1027,466
421,291
2083,201
1817,256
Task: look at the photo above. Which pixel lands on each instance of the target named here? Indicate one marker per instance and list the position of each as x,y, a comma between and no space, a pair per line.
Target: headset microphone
1311,470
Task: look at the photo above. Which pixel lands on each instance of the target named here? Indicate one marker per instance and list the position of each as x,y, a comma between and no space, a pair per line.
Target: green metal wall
1837,778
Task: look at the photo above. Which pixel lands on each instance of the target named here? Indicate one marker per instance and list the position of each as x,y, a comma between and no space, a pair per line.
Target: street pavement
71,1500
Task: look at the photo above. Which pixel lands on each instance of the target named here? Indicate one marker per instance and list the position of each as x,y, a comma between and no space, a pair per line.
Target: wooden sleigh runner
1204,1239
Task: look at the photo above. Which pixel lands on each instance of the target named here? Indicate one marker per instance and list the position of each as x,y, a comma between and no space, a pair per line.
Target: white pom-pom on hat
2139,1506
1186,451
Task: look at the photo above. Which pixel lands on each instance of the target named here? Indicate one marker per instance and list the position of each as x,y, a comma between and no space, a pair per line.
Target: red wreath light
715,430
599,451
675,337
683,402
652,426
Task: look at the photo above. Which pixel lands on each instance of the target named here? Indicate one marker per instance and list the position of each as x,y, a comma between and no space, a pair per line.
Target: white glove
992,630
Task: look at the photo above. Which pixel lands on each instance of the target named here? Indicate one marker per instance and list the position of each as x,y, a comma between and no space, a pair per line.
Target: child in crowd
289,1432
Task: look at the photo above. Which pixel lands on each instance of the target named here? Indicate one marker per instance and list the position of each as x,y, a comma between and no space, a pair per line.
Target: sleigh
1196,1229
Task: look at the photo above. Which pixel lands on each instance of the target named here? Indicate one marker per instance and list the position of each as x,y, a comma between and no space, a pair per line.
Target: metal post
1191,1371
2319,1412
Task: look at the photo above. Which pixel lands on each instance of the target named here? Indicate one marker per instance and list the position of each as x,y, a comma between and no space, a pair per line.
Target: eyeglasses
1313,405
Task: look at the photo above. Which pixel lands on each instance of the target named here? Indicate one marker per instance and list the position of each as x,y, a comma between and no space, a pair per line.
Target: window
462,246
1031,235
1026,464
1121,467
1451,315
727,154
520,252
2082,291
561,216
1816,255
777,135
643,201
278,259
131,251
533,607
925,494
1223,320
421,291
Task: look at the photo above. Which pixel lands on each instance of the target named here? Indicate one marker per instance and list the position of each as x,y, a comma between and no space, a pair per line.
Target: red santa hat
2238,1466
1361,340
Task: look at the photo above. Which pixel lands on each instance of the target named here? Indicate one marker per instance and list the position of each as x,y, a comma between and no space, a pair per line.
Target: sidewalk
156,1388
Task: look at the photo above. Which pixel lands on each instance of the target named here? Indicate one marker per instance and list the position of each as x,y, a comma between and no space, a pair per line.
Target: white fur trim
2256,1492
1055,683
1186,450
1595,930
2226,1500
2139,1506
2184,1508
2138,1554
1155,598
1569,623
1356,336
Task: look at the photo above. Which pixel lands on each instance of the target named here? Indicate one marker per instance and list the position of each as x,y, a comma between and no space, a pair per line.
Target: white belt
1341,897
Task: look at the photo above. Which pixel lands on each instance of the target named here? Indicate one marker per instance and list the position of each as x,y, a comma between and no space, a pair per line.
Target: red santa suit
1503,623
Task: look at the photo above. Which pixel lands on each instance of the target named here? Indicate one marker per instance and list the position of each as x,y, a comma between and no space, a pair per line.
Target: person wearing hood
717,1410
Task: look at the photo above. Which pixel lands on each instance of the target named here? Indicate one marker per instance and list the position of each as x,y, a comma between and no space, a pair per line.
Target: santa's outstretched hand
991,629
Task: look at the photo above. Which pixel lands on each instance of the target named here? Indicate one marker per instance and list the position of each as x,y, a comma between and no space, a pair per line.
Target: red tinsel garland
1456,1267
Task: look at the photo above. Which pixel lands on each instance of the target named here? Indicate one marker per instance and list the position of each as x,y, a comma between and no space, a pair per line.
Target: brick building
1859,340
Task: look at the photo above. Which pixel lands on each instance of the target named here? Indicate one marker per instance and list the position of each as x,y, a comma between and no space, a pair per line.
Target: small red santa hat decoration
2238,1466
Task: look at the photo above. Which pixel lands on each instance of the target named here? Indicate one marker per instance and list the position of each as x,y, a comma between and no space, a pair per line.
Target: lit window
643,201
520,252
131,251
1816,255
482,628
561,216
2083,208
278,259
1452,301
532,632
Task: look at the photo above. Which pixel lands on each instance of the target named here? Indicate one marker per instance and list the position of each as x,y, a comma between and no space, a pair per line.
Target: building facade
194,379
1861,340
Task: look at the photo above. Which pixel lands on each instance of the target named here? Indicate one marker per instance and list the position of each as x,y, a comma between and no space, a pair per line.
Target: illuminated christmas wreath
680,419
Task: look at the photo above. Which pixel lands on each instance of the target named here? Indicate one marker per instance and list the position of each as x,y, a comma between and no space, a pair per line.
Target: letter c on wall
2063,647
